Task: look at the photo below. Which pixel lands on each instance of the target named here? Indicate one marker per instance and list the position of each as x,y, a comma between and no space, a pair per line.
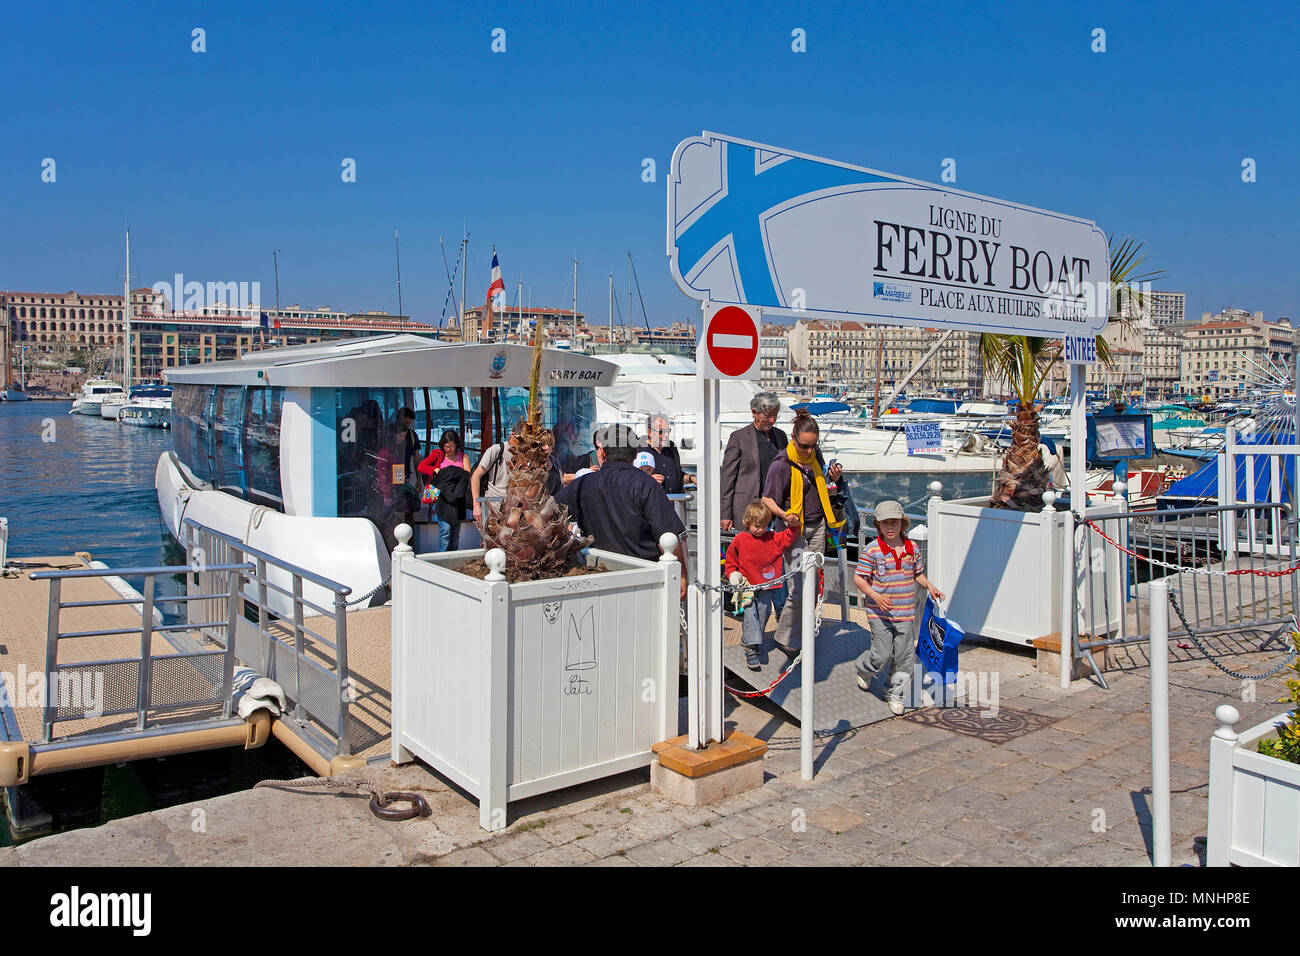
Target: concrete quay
1073,792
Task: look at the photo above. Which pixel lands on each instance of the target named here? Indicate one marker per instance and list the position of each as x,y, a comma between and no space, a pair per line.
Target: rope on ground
380,801
1196,639
1261,572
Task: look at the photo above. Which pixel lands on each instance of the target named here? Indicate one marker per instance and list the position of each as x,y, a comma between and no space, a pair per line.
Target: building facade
1166,309
61,323
774,358
847,354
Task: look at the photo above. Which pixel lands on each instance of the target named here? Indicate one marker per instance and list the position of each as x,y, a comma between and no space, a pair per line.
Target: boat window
262,445
443,412
191,428
375,468
228,441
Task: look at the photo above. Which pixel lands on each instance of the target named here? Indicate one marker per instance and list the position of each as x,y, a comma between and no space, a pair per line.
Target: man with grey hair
750,452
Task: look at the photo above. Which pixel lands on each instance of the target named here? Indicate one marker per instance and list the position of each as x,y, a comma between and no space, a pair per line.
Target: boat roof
398,361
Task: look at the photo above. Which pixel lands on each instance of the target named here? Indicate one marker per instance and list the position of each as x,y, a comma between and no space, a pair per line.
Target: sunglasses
802,447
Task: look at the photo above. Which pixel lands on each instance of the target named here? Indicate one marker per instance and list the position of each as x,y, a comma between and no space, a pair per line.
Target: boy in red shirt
755,557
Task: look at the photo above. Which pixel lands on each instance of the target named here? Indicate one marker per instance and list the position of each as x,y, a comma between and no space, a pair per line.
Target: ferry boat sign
805,237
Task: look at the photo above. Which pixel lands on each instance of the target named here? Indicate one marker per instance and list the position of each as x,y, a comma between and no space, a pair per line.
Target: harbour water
82,483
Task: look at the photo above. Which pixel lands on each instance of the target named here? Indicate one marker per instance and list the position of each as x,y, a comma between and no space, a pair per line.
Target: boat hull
348,551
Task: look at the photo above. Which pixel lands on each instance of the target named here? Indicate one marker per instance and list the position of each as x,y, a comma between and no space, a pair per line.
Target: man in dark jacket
621,506
750,452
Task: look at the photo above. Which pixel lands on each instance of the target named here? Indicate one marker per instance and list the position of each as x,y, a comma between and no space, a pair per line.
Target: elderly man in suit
750,452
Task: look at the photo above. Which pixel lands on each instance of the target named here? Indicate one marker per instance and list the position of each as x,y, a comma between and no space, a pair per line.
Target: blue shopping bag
936,643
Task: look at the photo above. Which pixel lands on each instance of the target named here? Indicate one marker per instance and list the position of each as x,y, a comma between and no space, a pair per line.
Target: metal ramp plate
838,703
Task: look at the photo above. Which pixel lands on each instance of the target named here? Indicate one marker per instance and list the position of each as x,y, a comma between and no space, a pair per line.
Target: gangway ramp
838,703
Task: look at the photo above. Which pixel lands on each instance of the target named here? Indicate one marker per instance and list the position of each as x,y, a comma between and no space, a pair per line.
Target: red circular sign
732,340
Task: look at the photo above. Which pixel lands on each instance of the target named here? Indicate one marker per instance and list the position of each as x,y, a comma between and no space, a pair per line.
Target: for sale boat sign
923,438
806,237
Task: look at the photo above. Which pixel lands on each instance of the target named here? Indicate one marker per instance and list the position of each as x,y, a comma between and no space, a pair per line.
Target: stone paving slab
894,793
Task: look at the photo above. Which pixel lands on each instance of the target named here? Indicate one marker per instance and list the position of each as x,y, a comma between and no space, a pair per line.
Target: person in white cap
887,575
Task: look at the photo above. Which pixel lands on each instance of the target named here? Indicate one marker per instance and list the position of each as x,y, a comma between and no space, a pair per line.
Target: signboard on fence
811,238
1113,438
923,438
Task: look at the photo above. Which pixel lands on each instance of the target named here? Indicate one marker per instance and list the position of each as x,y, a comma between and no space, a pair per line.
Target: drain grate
997,728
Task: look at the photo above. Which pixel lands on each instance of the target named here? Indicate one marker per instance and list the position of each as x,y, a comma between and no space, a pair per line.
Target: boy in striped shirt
887,575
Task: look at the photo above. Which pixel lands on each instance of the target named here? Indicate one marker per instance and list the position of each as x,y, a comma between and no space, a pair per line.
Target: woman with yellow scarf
797,490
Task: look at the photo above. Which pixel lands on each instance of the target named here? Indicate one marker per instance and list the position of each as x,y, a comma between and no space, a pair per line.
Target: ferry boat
93,394
297,450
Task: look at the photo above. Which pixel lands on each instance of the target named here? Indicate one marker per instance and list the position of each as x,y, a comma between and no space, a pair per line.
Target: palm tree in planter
1025,361
529,526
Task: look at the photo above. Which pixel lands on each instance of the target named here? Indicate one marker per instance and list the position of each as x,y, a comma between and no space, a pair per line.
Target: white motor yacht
93,394
150,406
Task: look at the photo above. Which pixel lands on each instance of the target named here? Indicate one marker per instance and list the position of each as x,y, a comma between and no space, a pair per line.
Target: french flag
497,290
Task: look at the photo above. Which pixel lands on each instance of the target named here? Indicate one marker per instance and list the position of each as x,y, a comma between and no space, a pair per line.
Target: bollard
1159,651
809,671
1218,832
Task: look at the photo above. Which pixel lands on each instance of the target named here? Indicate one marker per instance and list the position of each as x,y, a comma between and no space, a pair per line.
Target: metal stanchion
1160,839
809,673
694,669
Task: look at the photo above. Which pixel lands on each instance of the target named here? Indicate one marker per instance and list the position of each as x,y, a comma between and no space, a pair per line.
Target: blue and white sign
1081,350
805,237
923,438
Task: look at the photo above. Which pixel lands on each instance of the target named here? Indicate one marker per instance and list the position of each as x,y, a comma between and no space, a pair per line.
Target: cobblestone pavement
895,793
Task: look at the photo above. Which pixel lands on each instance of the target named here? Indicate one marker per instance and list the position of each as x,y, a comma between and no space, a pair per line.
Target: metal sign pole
1078,497
709,516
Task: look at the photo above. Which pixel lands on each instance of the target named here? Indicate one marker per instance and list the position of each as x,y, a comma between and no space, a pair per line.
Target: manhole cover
994,726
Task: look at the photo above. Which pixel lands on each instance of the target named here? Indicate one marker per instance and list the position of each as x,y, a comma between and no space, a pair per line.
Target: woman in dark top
796,489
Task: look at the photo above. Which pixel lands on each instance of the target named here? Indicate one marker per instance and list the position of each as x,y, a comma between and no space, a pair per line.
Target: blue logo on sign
891,291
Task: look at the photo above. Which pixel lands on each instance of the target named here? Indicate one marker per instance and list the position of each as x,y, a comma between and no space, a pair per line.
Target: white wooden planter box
1002,571
1254,799
512,690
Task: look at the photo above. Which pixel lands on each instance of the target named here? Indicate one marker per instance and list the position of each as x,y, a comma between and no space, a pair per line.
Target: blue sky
215,159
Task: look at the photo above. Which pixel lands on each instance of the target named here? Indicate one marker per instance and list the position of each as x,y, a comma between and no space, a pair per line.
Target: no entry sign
729,346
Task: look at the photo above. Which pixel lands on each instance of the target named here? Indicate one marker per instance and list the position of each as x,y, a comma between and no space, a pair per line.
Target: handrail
295,643
1193,512
311,576
134,572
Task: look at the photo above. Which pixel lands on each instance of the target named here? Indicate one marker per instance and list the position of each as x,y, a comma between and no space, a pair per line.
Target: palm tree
529,526
1025,361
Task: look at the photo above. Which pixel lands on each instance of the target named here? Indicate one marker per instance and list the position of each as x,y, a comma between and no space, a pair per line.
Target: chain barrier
372,592
725,588
1196,639
1279,572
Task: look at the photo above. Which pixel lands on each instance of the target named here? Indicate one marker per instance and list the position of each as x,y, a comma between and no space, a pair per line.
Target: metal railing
279,643
151,683
1202,555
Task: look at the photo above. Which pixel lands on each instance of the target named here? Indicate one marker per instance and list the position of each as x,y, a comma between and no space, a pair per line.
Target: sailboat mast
398,245
574,344
611,311
126,328
464,269
880,347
